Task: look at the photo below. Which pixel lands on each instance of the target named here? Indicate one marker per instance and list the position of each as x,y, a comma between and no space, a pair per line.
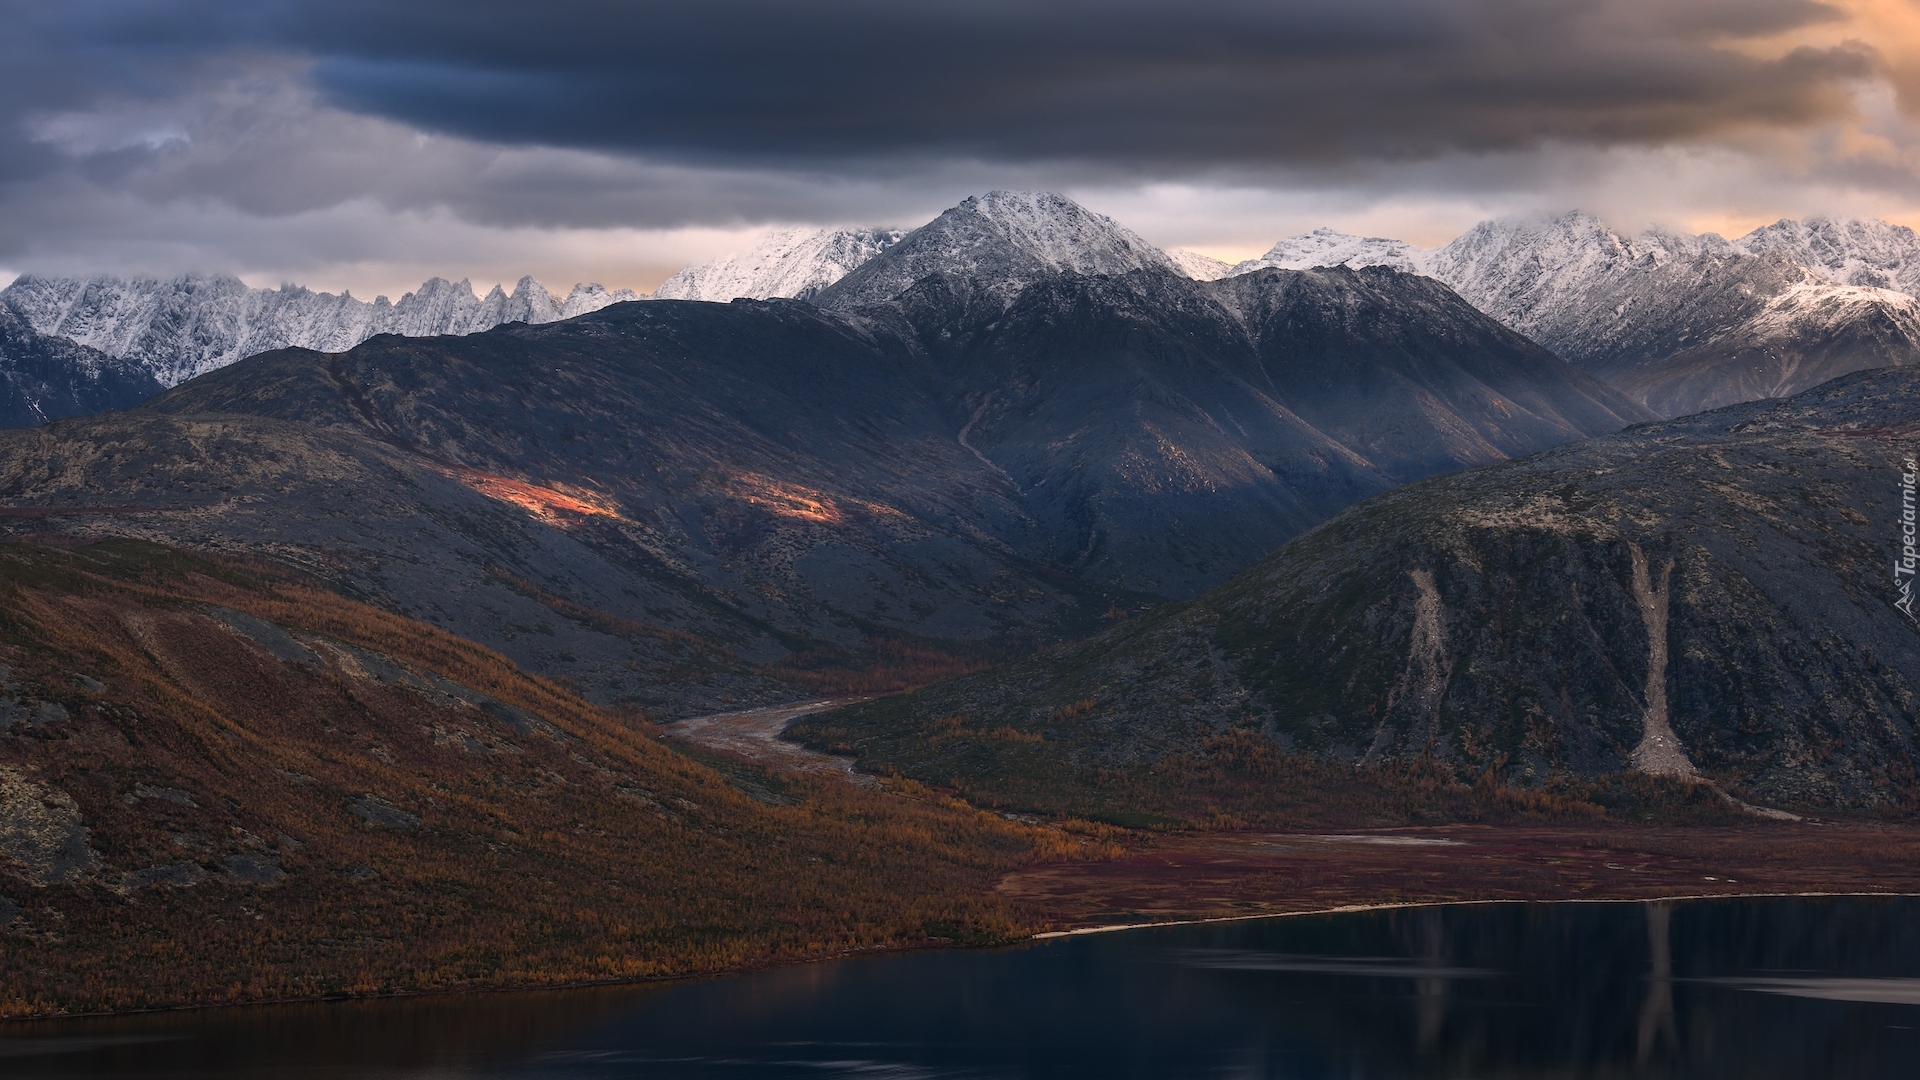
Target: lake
1747,988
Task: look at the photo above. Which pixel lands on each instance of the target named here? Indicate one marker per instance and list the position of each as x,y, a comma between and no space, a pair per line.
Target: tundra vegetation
221,784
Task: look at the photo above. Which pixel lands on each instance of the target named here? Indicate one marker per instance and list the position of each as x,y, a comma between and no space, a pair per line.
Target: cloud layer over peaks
162,116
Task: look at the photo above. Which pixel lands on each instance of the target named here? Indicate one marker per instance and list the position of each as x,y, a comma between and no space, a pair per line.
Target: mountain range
187,326
1712,598
1679,323
1011,422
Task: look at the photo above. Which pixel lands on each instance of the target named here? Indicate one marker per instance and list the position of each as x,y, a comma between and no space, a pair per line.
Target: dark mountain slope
45,378
1131,415
583,495
1402,371
1167,431
1711,596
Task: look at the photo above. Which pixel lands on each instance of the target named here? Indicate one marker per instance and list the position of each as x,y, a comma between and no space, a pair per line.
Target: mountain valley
1710,599
358,664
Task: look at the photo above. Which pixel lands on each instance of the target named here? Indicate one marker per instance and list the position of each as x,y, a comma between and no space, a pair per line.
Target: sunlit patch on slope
788,500
561,505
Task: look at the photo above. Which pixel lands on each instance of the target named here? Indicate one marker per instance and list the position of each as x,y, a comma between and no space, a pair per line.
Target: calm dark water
1735,988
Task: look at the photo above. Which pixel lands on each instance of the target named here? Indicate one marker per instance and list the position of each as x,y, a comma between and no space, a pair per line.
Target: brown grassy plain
1191,876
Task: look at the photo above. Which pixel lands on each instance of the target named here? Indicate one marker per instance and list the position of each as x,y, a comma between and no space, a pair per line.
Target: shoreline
1407,905
16,1022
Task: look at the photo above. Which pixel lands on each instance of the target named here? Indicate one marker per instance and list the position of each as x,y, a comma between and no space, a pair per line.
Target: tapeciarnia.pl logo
1903,567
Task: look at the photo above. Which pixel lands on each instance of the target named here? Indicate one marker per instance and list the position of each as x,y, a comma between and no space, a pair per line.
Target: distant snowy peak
1683,323
1058,232
1325,247
1868,253
998,243
1197,266
1535,273
187,326
592,296
795,262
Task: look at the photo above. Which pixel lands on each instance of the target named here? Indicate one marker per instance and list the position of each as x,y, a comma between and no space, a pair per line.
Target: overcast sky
373,143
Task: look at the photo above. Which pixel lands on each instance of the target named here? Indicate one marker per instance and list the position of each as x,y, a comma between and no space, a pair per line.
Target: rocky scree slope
179,328
49,378
1709,598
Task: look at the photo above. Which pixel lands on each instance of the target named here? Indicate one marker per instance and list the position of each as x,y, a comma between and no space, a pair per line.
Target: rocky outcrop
43,840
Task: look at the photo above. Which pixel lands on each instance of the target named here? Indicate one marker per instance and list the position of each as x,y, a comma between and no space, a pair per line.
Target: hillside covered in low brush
1705,600
219,786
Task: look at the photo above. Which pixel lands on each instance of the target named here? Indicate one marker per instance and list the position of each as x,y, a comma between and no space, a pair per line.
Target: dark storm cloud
1133,85
377,141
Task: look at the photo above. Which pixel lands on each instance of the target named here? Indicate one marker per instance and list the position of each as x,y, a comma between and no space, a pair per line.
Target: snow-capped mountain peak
1869,253
792,262
997,244
592,296
1060,233
1327,247
181,327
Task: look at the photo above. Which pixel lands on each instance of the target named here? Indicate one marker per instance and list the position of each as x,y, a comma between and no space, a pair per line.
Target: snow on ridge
1061,234
1035,229
1327,247
1197,266
995,245
791,262
1812,306
1865,252
182,327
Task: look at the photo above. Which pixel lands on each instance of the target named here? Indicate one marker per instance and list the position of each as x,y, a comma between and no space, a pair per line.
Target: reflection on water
1751,989
1656,1015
